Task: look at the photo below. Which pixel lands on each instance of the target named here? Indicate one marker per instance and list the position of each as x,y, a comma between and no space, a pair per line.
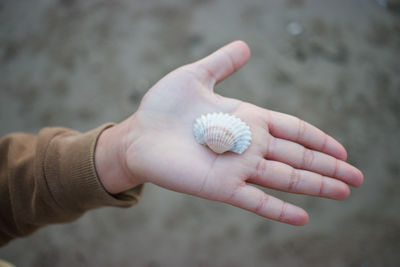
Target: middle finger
280,176
303,158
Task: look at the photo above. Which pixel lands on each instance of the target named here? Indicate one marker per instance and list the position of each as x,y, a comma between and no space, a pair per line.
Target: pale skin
156,145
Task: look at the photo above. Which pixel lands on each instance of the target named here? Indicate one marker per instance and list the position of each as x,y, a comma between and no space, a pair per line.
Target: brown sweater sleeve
50,178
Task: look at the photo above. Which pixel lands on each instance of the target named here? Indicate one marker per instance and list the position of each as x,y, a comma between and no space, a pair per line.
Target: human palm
285,153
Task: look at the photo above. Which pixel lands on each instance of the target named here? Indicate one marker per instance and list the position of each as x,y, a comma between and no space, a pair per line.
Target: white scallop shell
222,132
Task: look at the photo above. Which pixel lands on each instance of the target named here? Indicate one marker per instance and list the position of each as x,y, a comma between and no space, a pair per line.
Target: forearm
110,158
50,178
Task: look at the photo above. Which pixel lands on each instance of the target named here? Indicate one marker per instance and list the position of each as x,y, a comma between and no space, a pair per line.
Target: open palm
285,153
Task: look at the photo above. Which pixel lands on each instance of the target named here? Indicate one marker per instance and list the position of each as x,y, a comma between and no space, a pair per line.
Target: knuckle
335,167
294,179
268,150
324,142
231,197
307,159
301,129
321,186
261,167
283,212
261,203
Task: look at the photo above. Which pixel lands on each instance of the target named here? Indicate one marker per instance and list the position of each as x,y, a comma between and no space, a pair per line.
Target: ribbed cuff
71,175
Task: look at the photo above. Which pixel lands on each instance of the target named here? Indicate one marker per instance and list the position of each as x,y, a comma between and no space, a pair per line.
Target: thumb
222,63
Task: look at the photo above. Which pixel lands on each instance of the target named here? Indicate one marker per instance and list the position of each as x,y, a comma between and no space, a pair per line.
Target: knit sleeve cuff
71,176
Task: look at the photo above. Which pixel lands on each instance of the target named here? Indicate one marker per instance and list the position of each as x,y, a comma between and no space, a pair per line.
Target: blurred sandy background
333,63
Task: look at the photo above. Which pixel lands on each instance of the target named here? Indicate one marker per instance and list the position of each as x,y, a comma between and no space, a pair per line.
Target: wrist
110,159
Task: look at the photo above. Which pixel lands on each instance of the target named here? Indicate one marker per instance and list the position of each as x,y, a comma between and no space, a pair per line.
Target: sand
335,64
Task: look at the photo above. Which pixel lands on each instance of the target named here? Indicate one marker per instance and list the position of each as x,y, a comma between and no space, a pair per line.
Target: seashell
222,132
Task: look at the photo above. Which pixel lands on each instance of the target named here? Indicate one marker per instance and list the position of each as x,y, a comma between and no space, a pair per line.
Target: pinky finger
255,200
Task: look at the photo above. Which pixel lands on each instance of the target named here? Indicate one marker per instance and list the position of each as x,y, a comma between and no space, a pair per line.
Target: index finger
291,128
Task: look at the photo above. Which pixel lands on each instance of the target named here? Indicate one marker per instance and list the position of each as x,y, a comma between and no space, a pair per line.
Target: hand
156,144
